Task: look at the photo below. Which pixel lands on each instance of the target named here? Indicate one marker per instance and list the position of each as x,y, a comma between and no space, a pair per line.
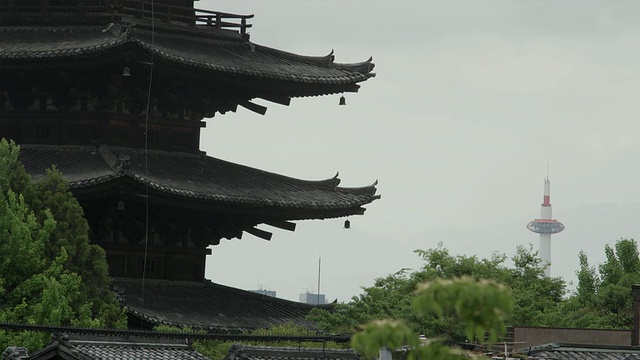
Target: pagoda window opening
151,139
118,265
43,132
182,137
149,267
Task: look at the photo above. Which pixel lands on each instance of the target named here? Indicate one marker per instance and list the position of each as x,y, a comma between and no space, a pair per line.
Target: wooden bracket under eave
284,225
253,107
282,100
259,233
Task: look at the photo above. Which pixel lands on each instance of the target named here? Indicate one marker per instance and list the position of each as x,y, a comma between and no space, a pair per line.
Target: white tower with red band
545,226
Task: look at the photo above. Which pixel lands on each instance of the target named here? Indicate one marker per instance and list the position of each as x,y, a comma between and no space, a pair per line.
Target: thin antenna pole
319,267
547,170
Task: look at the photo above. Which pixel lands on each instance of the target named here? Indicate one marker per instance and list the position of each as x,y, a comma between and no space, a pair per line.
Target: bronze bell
126,72
343,101
347,224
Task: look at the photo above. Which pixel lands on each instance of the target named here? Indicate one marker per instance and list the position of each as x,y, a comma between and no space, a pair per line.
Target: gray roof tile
19,43
244,352
200,177
83,347
584,351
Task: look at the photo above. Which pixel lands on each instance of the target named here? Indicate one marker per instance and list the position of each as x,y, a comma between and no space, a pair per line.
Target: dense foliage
392,296
49,273
602,298
478,304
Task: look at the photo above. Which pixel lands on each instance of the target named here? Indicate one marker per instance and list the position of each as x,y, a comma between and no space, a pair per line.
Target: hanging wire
146,159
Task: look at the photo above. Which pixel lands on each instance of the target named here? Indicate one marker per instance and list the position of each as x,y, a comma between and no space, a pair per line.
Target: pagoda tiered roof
207,305
199,180
37,43
249,70
113,93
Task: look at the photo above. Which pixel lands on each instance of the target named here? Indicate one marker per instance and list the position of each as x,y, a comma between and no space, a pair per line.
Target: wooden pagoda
115,92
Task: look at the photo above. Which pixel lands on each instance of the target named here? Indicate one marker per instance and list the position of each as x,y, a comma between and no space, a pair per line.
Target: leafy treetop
49,273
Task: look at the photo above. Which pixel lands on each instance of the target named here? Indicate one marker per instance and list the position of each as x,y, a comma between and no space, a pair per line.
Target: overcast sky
470,102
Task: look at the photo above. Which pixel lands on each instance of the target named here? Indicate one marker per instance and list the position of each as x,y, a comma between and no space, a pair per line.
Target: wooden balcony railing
161,10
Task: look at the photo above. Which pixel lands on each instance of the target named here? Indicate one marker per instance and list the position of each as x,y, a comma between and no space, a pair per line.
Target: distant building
309,298
271,293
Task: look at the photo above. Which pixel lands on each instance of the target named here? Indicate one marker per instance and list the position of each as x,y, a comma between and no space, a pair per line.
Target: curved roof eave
202,178
231,57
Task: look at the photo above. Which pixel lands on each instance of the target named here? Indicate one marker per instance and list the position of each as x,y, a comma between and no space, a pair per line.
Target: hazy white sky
471,100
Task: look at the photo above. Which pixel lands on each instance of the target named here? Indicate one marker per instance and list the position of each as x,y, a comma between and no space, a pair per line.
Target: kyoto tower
545,226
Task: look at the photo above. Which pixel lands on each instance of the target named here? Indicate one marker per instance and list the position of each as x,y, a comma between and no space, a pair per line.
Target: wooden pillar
635,330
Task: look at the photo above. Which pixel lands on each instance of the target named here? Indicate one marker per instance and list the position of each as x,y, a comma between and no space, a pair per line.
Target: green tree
479,304
603,296
49,274
51,195
535,297
588,281
603,299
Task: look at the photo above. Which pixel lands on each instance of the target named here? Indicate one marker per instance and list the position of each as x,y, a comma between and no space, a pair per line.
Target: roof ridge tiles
154,152
369,190
165,345
328,183
324,60
58,147
54,28
247,352
361,67
188,37
261,347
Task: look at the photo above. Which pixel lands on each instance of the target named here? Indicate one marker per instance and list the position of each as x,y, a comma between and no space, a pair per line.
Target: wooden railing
140,9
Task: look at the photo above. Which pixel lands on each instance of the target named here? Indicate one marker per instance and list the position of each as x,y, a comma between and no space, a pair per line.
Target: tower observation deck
545,226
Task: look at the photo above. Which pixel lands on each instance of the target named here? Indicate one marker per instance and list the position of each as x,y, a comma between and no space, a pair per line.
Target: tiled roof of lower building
244,352
207,305
124,348
562,351
198,177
